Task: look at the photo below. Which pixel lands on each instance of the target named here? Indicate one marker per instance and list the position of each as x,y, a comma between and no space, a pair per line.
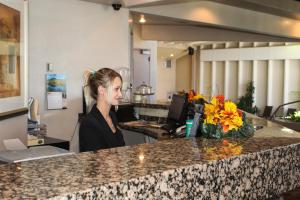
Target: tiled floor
294,195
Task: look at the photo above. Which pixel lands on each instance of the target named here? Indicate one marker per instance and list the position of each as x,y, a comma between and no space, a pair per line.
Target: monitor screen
178,109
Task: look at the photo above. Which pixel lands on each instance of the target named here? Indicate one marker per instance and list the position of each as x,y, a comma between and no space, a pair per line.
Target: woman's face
113,92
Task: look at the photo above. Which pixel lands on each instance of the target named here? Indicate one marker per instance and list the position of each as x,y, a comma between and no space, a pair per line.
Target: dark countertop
156,133
288,123
269,165
273,129
156,104
149,104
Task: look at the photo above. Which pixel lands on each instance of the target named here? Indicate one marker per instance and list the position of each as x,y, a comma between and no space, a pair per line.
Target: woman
98,130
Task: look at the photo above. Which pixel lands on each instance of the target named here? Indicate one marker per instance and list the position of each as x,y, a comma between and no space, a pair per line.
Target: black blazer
95,133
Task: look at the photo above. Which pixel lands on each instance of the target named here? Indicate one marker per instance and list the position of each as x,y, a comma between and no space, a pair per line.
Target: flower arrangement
196,102
223,119
296,116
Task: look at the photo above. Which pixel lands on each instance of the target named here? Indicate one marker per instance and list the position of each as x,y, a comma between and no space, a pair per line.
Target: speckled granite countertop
168,169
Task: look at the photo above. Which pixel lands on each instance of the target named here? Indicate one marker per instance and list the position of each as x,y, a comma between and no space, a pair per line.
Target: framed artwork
13,55
56,91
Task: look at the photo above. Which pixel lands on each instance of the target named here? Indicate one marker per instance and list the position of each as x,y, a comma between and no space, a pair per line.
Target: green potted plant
246,101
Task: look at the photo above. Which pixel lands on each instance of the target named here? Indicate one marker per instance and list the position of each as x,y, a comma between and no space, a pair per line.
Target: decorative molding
286,82
240,79
213,79
201,79
269,85
269,71
226,80
254,79
251,53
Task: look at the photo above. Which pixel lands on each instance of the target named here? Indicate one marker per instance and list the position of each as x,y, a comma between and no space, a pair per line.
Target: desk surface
54,142
178,168
156,133
33,153
288,123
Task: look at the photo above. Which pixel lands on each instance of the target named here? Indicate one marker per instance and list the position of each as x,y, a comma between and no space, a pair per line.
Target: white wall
275,71
165,79
13,128
72,35
261,88
184,73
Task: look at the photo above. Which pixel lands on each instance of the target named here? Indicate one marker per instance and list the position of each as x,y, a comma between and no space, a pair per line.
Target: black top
95,133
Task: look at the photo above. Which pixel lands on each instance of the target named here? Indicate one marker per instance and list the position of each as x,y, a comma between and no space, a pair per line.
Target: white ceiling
165,53
287,8
139,3
179,45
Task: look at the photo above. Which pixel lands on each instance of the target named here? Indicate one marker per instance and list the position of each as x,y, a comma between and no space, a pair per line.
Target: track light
142,19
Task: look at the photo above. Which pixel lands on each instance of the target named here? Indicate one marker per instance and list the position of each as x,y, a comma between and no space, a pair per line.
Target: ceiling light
171,55
142,19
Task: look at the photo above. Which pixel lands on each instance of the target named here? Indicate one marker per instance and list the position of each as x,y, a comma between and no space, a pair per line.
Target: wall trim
13,113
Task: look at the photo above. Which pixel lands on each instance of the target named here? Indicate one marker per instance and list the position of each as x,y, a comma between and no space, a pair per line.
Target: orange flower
220,98
225,142
240,112
191,95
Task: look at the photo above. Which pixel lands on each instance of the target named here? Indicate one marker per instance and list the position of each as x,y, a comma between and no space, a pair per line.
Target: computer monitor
178,110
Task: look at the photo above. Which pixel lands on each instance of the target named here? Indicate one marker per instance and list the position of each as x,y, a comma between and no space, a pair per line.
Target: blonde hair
103,77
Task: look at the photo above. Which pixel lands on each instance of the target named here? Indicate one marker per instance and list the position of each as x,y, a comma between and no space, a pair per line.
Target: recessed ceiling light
171,55
142,19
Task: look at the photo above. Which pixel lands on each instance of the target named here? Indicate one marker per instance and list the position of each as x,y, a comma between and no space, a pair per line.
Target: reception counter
269,165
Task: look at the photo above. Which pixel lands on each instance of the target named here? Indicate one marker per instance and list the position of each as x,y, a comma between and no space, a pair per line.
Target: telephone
177,132
180,131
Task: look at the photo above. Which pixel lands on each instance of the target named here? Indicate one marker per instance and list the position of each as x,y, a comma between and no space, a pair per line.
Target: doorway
141,67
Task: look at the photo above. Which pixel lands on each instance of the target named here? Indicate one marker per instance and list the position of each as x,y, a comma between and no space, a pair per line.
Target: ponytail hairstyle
103,77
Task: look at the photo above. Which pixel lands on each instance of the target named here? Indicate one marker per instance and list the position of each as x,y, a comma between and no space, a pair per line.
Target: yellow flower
197,97
214,101
229,107
230,118
212,114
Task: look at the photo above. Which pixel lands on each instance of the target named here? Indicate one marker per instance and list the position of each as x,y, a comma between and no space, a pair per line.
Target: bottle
189,123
